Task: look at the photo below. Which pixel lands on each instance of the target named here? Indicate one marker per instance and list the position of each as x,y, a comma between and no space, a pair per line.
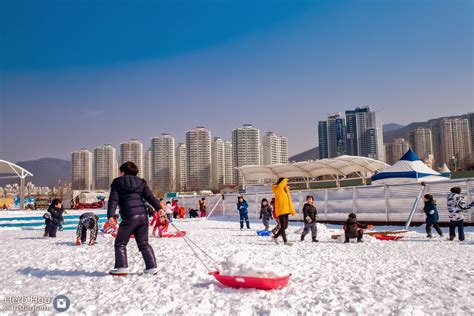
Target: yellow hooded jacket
283,203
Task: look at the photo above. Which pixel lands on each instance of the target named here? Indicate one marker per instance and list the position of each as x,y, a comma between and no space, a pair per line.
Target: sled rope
188,242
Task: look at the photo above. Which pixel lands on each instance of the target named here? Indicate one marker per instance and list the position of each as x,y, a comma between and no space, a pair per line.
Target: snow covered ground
411,276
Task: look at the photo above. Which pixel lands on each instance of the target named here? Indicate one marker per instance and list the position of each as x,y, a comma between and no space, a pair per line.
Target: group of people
137,202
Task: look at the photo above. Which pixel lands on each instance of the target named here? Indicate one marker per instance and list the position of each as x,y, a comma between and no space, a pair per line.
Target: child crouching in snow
309,216
354,229
265,213
88,221
161,224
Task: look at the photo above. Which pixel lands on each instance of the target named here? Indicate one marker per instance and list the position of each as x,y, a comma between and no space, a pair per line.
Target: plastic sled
386,237
252,282
173,235
264,233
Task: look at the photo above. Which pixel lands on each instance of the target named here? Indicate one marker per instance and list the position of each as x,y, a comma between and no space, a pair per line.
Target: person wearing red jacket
161,224
175,208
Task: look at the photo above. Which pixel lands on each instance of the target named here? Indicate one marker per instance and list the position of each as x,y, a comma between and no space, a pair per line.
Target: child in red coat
161,224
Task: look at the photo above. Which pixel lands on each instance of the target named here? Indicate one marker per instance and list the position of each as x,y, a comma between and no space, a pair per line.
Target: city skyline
280,65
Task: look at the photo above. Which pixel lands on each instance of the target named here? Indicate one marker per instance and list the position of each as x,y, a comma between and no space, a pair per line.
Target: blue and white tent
409,169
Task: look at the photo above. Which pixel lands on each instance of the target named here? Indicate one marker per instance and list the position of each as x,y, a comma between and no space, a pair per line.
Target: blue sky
79,74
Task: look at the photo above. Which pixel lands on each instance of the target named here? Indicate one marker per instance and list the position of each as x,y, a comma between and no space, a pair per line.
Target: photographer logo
61,303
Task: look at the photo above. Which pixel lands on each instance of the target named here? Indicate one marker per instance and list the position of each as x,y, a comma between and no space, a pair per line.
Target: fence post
470,199
386,195
223,204
354,199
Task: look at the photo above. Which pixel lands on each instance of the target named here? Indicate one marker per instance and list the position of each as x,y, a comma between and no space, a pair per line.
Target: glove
308,219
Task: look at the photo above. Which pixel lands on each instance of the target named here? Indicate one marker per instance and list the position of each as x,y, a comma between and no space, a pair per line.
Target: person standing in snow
175,208
432,217
309,217
354,229
169,210
129,192
456,206
53,217
161,224
243,208
87,221
283,208
202,207
265,213
275,217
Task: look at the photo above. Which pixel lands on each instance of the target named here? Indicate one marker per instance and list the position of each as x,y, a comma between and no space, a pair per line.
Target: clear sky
79,74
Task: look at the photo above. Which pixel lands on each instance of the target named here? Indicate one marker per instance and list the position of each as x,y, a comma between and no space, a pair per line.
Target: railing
383,203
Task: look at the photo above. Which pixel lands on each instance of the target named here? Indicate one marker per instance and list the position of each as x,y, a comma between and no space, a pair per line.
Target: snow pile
239,264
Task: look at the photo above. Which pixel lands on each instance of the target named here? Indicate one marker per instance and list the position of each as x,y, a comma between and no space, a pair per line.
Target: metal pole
415,205
326,203
354,199
217,203
386,195
22,192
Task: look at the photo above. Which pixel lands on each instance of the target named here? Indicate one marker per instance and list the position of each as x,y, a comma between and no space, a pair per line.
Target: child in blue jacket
243,208
432,216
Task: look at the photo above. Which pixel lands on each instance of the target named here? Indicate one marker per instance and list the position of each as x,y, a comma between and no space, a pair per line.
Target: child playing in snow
54,218
169,210
130,193
161,224
111,227
354,229
309,216
202,207
456,206
243,208
88,221
432,216
265,213
175,208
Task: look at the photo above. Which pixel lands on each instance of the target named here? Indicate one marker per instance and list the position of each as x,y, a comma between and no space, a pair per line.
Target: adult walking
129,192
283,208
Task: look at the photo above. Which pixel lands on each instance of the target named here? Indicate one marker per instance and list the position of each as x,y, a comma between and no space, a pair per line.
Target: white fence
386,203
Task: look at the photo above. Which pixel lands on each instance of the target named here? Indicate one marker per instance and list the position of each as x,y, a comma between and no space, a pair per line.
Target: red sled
387,237
252,282
171,235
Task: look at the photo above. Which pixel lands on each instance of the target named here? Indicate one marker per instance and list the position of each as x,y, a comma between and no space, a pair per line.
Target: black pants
138,226
452,229
435,226
283,226
360,234
51,228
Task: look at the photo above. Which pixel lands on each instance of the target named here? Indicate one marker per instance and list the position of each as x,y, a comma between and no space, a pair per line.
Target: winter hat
352,216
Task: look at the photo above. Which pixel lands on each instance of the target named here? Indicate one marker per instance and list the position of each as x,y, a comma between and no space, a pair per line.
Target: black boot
302,237
248,224
314,239
359,239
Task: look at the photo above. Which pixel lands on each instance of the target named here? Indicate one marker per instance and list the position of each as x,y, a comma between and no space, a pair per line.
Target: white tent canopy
409,169
9,170
338,168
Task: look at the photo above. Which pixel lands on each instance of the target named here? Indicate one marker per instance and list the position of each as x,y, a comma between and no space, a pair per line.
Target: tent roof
409,168
445,169
340,166
11,170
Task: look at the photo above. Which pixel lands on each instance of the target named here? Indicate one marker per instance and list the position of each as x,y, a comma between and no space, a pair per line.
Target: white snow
412,276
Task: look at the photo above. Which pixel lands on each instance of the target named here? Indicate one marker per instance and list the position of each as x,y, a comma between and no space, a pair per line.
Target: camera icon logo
61,303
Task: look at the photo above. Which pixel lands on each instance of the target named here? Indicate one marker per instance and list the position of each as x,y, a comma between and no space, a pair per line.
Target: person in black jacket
130,193
53,217
309,217
353,229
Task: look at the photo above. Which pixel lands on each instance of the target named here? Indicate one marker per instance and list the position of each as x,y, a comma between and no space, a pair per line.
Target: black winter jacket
266,212
130,193
56,215
309,210
351,227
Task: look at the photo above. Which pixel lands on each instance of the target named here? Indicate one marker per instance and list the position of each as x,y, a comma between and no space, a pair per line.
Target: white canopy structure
9,170
338,168
409,169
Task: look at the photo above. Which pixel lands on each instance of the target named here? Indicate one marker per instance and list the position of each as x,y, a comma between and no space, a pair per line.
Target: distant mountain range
46,172
390,132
